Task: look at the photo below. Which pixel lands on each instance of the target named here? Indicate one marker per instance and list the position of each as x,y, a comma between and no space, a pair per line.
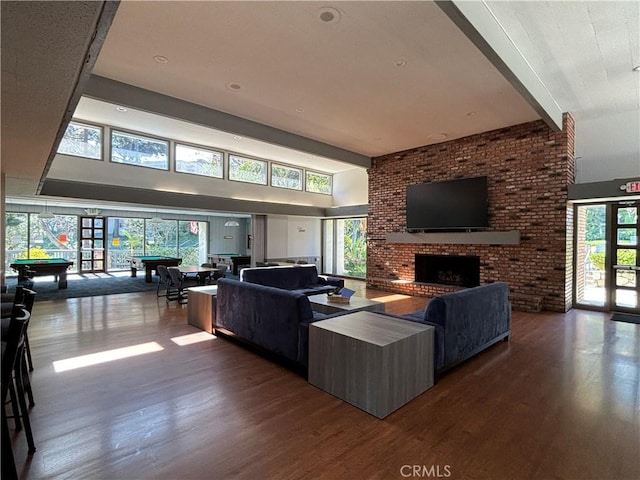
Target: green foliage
597,259
247,170
595,222
625,257
34,252
318,183
355,248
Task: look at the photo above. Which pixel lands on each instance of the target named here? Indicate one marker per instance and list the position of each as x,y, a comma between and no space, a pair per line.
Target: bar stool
11,344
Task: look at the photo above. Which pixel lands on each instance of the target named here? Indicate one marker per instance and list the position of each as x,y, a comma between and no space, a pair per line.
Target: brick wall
528,167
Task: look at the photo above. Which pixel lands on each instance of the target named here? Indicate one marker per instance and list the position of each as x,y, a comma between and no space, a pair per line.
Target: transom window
82,140
199,161
247,170
139,150
318,183
286,177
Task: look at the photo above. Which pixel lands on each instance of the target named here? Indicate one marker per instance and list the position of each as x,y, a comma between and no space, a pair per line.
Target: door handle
627,267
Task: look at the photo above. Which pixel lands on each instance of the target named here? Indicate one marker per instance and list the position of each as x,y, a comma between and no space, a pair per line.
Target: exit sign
631,187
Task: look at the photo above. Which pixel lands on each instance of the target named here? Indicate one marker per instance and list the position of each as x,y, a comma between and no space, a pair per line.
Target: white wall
596,139
291,236
351,187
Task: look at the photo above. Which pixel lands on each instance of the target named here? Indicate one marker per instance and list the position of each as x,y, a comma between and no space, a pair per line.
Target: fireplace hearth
456,270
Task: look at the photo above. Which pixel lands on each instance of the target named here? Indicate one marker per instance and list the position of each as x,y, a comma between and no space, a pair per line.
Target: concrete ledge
511,237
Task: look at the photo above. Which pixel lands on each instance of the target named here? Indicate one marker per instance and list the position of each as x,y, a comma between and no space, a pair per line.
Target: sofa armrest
327,280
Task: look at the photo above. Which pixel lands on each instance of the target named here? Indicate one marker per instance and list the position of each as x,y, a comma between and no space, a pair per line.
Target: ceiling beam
123,94
478,23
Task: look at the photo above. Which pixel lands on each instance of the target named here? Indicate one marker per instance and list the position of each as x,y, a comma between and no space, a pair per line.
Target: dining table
201,273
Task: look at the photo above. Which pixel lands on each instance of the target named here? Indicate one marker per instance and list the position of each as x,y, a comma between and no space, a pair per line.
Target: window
82,141
345,247
138,150
318,183
125,239
53,238
286,177
161,238
192,242
198,161
247,170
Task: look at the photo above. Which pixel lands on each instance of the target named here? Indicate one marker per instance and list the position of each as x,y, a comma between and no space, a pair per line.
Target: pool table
150,264
233,260
40,267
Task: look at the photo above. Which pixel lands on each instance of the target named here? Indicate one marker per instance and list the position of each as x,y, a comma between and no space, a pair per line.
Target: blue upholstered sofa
298,278
466,322
272,318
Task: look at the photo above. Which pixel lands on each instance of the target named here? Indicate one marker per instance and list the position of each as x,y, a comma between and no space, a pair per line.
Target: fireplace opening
457,270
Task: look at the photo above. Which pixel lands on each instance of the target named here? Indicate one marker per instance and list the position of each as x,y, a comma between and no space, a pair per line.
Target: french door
91,244
607,269
624,293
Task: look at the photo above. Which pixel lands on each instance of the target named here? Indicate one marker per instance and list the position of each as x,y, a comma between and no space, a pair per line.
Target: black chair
178,285
164,279
221,271
12,342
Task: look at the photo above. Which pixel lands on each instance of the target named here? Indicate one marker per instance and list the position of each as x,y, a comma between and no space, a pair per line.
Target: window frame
177,143
143,136
252,159
290,167
315,172
82,123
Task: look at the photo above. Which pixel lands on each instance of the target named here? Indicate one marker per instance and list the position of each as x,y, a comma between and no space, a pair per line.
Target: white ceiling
386,76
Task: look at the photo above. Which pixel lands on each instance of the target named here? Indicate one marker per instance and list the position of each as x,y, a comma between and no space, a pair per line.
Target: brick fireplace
456,270
529,167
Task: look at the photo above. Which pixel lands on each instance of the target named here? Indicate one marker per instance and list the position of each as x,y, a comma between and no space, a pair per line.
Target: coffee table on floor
375,362
321,304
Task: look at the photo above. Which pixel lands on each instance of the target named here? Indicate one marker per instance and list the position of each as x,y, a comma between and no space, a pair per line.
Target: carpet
625,317
88,285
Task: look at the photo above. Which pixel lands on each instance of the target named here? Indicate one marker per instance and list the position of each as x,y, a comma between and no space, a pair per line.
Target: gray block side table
376,363
201,307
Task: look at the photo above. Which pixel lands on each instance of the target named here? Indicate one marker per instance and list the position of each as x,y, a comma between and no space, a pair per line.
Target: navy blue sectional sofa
298,278
274,319
466,322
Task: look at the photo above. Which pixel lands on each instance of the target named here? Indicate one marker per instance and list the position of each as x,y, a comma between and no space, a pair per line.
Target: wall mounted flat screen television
452,205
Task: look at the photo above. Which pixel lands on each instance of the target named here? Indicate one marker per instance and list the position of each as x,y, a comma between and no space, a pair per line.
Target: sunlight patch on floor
106,356
193,338
391,298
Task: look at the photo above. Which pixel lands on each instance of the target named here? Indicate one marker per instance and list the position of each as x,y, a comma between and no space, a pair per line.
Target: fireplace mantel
511,237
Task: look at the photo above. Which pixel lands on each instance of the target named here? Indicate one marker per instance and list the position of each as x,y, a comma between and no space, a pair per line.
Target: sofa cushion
264,315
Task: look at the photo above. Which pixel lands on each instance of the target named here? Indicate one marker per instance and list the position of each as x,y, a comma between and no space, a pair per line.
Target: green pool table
40,267
150,264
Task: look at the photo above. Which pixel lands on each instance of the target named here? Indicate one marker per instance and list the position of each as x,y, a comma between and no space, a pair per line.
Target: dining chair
177,285
163,280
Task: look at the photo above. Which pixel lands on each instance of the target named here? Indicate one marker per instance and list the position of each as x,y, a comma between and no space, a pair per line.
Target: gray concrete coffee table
375,362
321,304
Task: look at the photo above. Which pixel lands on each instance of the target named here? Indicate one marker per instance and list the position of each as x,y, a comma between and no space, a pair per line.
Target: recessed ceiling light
121,109
329,15
636,68
299,109
237,137
233,86
400,62
437,136
161,59
470,114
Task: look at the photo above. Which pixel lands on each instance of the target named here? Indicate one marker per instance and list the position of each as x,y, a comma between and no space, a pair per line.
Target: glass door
91,244
591,273
625,266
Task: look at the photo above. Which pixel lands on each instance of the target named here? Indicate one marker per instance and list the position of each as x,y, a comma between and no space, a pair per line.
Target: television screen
452,205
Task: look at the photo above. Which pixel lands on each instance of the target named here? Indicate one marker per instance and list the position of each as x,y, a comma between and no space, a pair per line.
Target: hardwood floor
561,400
